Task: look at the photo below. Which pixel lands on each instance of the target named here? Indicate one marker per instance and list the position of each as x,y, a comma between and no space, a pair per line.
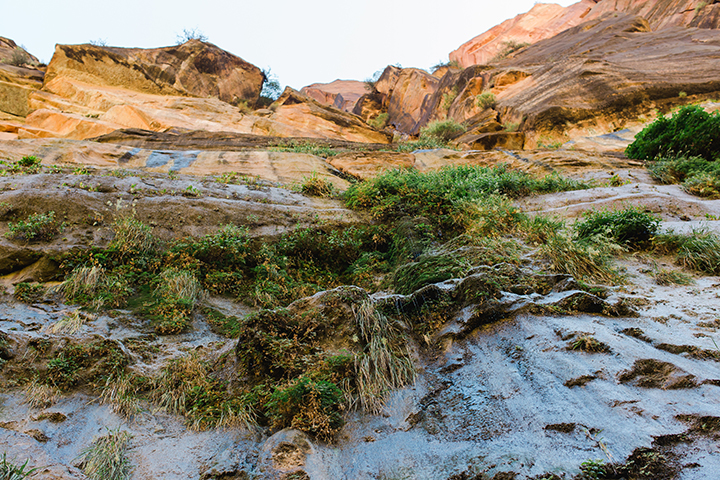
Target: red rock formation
341,94
194,68
665,13
17,80
541,22
546,20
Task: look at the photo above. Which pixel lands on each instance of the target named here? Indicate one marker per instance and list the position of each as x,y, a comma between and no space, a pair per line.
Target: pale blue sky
302,42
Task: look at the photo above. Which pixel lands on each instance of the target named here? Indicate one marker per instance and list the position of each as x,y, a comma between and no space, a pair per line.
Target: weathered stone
364,165
341,94
488,141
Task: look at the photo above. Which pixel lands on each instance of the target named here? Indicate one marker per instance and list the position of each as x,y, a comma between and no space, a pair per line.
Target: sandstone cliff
546,20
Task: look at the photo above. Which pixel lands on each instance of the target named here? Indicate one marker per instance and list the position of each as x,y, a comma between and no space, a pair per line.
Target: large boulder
341,94
406,93
194,68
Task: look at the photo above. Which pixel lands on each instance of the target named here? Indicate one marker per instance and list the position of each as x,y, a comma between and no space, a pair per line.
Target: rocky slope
547,20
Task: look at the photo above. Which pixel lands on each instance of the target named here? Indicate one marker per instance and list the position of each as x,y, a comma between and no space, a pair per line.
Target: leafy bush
691,132
29,161
629,226
442,130
698,176
486,100
18,58
38,226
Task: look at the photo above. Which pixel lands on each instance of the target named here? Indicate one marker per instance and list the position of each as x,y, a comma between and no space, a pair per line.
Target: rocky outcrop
18,78
299,116
664,13
341,94
405,93
195,68
547,20
542,21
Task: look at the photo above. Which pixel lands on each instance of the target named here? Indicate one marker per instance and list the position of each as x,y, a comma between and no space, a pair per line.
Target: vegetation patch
696,175
36,227
442,130
317,186
29,292
690,132
486,100
106,458
698,250
9,470
630,226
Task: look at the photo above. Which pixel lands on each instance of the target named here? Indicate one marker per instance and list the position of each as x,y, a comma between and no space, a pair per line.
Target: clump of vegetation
671,277
296,146
690,132
92,363
444,195
187,387
698,250
29,292
92,286
176,295
629,226
191,34
698,176
449,64
10,470
19,58
106,458
380,121
317,186
442,131
309,405
36,227
486,100
588,259
370,82
508,48
132,237
449,97
588,343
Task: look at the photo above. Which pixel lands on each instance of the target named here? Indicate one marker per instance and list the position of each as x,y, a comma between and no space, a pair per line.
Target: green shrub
296,146
132,237
691,131
309,405
486,100
428,269
449,97
18,58
38,226
442,130
698,176
630,226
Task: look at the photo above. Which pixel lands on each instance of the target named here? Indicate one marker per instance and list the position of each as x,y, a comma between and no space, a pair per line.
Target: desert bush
698,176
449,97
106,458
442,130
38,226
691,132
486,100
92,286
18,58
296,146
449,64
191,34
630,226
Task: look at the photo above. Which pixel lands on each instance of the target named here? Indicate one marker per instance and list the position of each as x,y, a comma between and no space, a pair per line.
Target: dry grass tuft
106,458
38,395
385,364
